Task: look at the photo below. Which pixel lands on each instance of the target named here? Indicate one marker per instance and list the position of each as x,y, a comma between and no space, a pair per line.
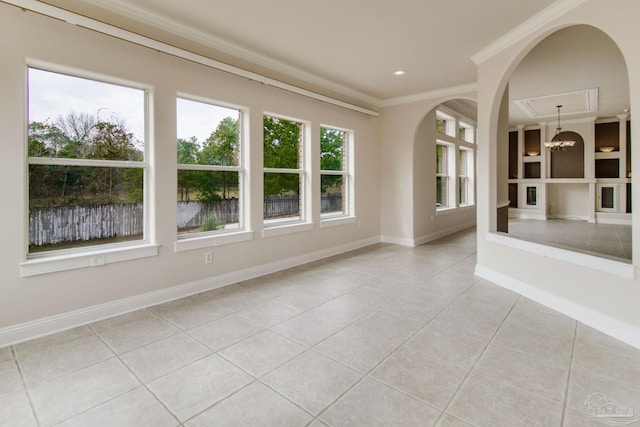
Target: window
455,164
284,172
210,170
445,124
87,165
466,132
334,172
465,177
443,183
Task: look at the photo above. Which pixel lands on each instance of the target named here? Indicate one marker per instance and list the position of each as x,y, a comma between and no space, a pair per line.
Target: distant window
443,180
335,179
86,162
209,168
284,173
445,124
466,132
465,177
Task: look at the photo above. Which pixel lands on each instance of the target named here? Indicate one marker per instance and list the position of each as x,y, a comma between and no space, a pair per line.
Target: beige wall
607,301
27,36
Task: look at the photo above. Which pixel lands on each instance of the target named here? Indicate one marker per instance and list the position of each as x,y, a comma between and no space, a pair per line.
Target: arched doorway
578,199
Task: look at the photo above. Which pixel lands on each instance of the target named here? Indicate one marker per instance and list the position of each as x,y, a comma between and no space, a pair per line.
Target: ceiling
346,49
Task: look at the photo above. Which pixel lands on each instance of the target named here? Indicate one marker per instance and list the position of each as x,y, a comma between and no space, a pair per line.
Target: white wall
606,301
28,36
407,175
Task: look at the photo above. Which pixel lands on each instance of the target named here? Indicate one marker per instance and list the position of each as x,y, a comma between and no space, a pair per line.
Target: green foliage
212,223
332,143
85,137
281,150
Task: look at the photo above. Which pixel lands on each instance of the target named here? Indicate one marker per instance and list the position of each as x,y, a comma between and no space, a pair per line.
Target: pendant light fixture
557,143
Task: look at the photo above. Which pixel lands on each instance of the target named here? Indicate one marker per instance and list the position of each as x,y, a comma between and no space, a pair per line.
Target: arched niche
568,163
581,68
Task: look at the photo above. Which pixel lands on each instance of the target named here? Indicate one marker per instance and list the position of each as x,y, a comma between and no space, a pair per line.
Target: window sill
189,244
445,211
279,230
333,221
91,258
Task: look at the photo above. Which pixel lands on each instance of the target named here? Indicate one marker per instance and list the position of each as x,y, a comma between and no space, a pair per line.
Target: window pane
332,143
332,194
207,134
442,184
463,196
207,201
71,117
71,206
282,143
441,159
441,125
463,158
281,195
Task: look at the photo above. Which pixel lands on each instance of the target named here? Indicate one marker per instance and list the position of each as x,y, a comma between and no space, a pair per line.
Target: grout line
486,347
568,383
24,384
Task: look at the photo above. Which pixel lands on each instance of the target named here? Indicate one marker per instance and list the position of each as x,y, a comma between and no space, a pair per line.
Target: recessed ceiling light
399,73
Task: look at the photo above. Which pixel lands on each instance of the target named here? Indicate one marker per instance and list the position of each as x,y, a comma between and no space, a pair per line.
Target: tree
221,149
331,156
187,154
281,150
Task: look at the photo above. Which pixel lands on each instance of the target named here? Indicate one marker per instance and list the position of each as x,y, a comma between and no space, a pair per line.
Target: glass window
86,162
334,173
283,170
209,168
442,175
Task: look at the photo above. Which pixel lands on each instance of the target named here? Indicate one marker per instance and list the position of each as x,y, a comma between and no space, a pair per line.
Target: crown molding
122,34
531,25
433,94
188,32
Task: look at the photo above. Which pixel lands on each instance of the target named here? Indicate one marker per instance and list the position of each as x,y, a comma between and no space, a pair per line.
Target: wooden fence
60,224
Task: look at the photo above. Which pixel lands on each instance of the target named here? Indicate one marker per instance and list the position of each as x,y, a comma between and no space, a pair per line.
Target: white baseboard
444,232
403,241
603,323
33,329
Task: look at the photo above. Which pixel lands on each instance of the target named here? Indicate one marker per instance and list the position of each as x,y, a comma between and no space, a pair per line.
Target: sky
53,94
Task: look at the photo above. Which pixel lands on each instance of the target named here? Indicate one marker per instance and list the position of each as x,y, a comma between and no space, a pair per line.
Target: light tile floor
605,240
382,336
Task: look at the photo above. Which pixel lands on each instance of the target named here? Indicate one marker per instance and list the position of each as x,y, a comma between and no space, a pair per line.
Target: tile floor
604,240
383,336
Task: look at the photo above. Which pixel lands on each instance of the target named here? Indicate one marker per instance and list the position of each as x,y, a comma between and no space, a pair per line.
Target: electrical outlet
97,260
208,257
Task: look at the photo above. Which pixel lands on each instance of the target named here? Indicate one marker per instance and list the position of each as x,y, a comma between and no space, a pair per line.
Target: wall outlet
208,257
97,260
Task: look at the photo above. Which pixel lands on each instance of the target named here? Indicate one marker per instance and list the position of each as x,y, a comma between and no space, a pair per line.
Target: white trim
45,326
503,204
119,33
402,241
531,25
444,232
613,218
584,260
200,242
595,319
279,230
433,94
333,221
86,258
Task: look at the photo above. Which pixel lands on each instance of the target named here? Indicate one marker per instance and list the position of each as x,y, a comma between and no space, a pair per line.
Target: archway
578,199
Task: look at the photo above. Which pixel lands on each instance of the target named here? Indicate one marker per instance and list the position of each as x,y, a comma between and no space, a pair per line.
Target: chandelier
557,143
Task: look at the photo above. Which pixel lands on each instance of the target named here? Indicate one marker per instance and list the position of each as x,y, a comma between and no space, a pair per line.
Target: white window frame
101,254
455,121
448,175
616,196
275,227
332,218
466,176
206,239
